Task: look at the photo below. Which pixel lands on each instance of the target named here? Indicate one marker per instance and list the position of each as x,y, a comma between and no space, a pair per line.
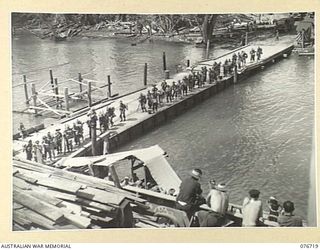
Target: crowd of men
167,93
190,199
53,145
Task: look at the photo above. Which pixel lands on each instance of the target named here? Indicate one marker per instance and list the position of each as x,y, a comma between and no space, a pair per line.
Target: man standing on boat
252,209
189,198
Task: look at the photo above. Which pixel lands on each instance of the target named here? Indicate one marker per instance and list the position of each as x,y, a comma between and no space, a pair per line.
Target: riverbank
219,38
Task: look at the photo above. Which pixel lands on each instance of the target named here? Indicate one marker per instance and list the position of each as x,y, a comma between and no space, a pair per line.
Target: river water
256,134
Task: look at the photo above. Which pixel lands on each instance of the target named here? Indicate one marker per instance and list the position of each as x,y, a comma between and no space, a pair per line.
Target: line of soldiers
155,97
54,145
105,120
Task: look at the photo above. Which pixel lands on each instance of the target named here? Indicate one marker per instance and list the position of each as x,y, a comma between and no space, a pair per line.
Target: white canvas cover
153,157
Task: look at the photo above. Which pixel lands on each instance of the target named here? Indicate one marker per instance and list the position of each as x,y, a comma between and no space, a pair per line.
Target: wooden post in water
207,50
93,131
51,80
188,63
89,95
145,74
25,88
167,74
56,90
66,98
164,61
34,96
235,74
80,80
246,41
109,86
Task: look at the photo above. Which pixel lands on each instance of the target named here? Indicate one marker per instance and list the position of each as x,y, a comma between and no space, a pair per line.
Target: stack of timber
46,198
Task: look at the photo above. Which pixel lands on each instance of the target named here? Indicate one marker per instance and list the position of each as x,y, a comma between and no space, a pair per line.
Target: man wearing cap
252,209
218,201
189,198
287,218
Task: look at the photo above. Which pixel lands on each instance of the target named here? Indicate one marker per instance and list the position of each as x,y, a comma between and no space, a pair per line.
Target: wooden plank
17,206
45,197
100,196
36,218
26,178
17,227
78,220
92,210
104,219
21,220
62,196
21,184
42,208
85,214
60,184
88,180
73,208
90,203
31,174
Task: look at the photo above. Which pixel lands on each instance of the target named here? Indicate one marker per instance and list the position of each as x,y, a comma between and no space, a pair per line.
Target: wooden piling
34,96
164,61
106,146
167,74
25,88
188,63
207,50
109,86
56,90
51,80
80,80
235,74
93,132
66,98
145,74
89,95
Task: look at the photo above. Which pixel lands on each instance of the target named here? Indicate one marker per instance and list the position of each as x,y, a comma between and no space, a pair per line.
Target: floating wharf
139,123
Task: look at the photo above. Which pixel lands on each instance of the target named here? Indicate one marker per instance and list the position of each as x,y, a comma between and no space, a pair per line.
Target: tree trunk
207,27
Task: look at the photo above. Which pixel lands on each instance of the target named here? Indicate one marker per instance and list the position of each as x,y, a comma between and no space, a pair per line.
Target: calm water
257,134
96,59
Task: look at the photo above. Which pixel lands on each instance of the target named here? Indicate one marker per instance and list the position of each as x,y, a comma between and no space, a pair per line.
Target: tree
207,26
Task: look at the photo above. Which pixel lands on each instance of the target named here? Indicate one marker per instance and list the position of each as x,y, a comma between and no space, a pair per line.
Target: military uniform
189,198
